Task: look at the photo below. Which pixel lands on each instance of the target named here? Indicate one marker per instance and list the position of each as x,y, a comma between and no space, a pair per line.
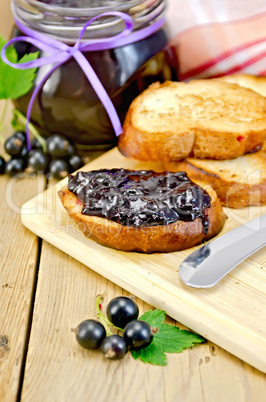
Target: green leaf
153,317
171,339
168,339
151,354
15,83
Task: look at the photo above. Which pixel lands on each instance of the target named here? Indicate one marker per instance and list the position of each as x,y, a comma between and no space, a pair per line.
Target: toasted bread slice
202,118
148,239
257,84
238,182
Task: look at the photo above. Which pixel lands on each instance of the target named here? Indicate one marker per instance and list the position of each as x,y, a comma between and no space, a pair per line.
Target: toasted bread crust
203,118
141,145
238,183
257,84
173,237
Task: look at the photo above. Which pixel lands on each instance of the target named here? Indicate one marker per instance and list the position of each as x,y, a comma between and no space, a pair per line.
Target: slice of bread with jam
142,211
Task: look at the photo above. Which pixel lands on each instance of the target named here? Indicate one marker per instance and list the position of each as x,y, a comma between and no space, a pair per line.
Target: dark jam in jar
67,103
140,198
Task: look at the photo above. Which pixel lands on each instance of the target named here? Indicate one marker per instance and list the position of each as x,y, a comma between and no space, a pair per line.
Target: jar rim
133,6
65,23
117,5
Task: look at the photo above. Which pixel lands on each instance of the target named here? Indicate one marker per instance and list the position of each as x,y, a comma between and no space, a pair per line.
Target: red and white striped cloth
218,37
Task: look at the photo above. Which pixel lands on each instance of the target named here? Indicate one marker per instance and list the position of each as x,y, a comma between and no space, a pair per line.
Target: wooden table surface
44,293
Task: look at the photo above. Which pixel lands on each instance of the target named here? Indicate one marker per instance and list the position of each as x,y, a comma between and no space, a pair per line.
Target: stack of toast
214,129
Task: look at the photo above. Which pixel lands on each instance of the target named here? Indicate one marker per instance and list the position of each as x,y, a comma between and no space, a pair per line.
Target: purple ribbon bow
60,52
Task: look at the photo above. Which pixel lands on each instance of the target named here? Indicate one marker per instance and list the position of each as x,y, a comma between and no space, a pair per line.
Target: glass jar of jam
67,102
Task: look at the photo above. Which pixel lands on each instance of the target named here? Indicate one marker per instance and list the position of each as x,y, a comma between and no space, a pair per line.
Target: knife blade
210,263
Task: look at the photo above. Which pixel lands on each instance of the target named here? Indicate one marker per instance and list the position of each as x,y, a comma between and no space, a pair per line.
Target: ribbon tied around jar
59,53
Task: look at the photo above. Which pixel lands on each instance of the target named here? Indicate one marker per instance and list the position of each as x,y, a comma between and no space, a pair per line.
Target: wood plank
18,258
215,313
58,369
6,19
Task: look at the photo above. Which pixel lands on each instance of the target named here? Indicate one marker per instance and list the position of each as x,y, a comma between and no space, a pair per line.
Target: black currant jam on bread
142,210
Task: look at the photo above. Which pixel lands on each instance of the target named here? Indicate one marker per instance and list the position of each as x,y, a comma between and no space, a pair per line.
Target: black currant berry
58,168
37,161
137,334
14,166
23,153
114,347
75,162
90,334
121,310
35,144
71,150
2,165
58,146
21,135
13,145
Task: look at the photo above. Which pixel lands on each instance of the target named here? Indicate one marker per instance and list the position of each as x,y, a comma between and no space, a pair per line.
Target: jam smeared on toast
140,198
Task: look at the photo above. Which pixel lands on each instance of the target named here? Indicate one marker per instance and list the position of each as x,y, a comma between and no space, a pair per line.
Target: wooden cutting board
232,314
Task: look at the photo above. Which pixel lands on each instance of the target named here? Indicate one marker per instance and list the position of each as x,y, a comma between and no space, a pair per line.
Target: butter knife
210,263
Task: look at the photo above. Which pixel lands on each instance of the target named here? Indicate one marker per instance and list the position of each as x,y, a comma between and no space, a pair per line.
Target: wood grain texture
232,314
18,258
6,19
58,369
